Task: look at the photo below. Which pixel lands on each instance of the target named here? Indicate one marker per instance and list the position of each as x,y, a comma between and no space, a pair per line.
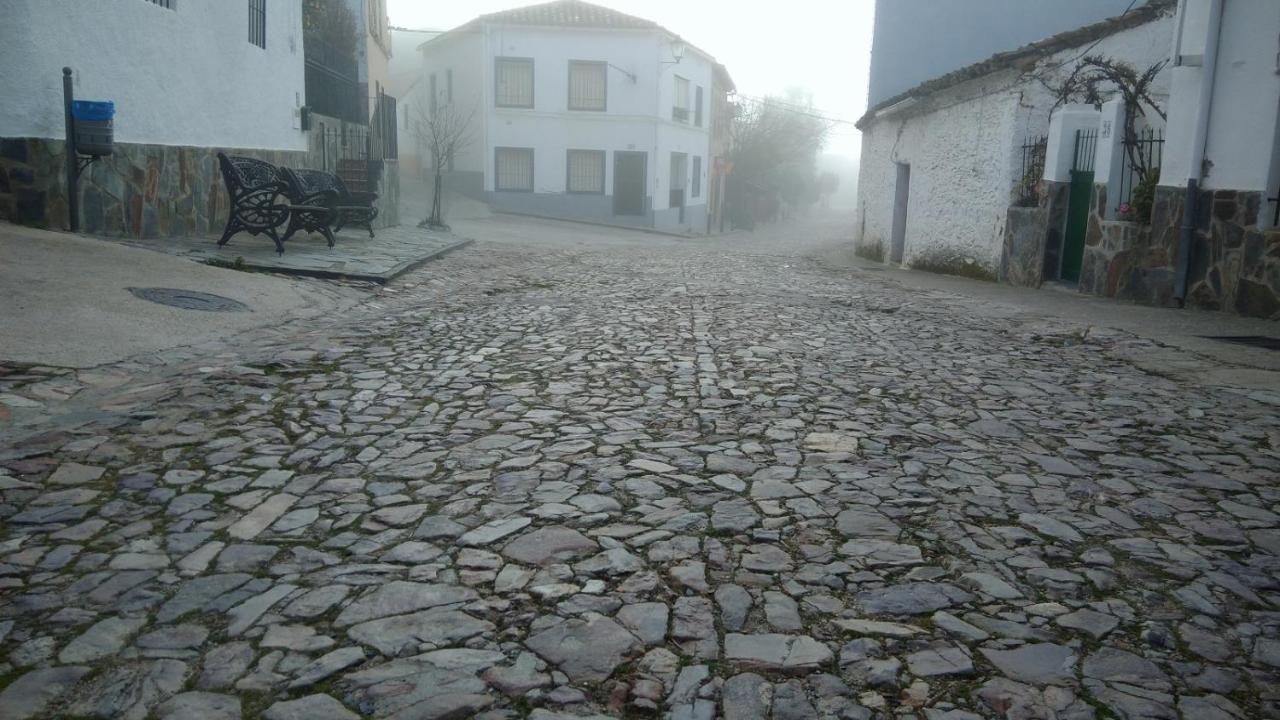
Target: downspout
1191,202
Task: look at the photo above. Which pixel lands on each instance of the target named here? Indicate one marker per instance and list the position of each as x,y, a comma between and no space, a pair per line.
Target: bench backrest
246,173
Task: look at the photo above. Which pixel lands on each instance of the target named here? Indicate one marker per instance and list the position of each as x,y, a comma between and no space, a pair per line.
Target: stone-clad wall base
1234,267
145,191
1235,264
1022,262
141,191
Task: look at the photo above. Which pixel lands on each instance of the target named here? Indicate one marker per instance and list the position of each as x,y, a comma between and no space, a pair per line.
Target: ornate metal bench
314,197
254,186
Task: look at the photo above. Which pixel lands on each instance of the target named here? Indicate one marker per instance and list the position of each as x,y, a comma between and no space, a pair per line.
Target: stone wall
1022,262
1033,238
1235,265
146,191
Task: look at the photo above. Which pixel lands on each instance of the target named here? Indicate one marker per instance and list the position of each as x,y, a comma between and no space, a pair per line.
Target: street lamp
677,51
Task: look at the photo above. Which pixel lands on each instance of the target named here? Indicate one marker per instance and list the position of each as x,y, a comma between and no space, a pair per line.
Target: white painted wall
463,54
964,147
1243,126
187,76
1060,151
638,115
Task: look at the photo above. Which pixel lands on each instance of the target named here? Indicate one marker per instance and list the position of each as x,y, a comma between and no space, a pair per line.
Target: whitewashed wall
963,145
464,55
187,76
1243,128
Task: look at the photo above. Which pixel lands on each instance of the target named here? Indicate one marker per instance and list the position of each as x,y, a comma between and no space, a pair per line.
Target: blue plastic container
93,109
95,131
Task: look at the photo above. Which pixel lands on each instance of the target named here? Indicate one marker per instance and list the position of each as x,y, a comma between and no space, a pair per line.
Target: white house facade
941,162
580,112
187,78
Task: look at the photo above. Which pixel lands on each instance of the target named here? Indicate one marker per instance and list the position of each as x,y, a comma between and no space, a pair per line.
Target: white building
941,162
580,112
1224,140
187,79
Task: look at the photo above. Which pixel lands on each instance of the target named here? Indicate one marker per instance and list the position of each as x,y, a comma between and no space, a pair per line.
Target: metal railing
332,82
1033,154
1143,156
1085,151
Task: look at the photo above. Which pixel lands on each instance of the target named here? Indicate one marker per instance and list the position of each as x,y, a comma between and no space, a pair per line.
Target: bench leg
275,237
231,229
328,234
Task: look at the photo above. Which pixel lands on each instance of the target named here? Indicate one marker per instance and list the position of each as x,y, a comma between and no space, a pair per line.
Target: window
513,81
587,85
697,108
258,22
680,108
163,3
448,85
432,97
697,177
585,172
513,169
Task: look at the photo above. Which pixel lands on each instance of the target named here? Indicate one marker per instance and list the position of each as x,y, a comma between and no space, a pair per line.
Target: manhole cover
1261,341
189,299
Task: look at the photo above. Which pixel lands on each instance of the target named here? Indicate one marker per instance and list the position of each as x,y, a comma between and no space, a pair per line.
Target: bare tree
774,146
444,130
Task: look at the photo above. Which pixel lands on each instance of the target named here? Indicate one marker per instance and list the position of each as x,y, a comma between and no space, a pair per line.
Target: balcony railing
680,114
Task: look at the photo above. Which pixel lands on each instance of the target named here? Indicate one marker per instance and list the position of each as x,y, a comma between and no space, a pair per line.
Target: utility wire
797,109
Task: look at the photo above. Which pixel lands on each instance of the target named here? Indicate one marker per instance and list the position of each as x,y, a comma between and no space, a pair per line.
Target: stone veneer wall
1235,265
1033,238
147,191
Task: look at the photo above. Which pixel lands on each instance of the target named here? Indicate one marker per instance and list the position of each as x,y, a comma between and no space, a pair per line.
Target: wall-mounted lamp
677,52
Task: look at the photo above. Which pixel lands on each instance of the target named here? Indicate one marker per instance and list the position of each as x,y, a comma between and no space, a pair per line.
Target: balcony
680,114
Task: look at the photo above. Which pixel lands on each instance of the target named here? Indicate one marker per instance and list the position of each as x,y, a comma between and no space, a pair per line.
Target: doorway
902,192
1078,204
679,175
629,171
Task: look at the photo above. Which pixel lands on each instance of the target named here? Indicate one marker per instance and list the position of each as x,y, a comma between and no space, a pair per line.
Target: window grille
586,171
163,3
513,169
514,82
680,108
587,85
258,23
697,108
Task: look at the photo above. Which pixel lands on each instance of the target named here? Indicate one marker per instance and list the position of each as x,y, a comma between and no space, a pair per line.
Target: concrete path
706,479
64,300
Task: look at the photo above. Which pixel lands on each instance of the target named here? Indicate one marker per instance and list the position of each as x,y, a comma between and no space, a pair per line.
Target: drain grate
1259,341
189,299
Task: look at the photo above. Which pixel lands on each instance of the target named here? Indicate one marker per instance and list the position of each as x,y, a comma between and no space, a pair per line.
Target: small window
448,85
587,85
163,3
513,169
586,172
258,23
432,98
514,83
697,110
680,106
697,176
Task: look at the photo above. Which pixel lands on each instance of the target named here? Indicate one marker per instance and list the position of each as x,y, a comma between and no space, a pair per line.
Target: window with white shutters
586,171
587,85
513,169
513,80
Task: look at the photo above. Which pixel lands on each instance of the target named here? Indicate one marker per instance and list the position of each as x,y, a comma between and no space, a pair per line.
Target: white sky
767,45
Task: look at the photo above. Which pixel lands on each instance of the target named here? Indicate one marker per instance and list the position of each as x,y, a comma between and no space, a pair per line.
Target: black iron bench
355,207
314,202
317,187
255,187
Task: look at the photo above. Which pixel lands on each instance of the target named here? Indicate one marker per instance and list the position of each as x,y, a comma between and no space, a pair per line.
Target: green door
1077,223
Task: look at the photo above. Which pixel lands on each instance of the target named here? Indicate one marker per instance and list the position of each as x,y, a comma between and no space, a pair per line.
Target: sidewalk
65,299
391,253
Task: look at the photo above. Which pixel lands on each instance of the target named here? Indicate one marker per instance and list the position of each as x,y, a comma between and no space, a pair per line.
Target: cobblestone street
651,477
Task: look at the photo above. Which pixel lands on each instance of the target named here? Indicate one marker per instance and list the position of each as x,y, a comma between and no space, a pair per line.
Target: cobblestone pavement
689,480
